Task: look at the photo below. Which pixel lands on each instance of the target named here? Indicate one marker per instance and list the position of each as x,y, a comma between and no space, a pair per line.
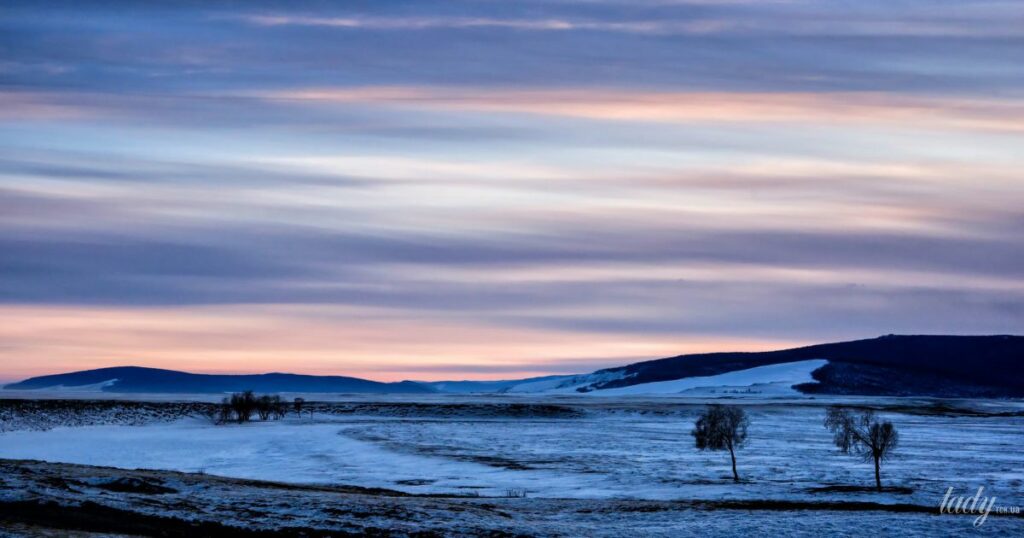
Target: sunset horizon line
4,379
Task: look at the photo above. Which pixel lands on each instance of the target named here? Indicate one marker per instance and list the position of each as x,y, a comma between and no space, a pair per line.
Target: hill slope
134,379
888,365
916,365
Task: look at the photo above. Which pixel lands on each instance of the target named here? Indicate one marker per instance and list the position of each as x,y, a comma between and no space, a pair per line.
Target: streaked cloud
422,23
483,189
729,18
691,107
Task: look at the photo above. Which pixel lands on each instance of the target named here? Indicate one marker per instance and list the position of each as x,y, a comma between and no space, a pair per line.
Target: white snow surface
284,451
612,449
95,387
565,384
773,379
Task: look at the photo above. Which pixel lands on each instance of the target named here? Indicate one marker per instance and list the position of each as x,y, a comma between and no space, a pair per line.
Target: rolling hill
910,365
134,379
893,365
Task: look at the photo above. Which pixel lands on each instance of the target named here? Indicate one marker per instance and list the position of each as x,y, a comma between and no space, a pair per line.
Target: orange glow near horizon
318,341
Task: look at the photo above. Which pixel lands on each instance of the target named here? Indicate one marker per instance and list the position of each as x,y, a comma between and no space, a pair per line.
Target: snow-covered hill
892,365
774,379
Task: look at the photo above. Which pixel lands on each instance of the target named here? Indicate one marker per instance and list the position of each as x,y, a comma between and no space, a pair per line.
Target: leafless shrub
243,405
213,413
280,408
860,433
264,407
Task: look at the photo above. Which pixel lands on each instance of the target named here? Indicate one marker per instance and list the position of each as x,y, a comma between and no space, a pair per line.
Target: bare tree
861,434
224,412
243,404
297,404
722,427
280,408
264,406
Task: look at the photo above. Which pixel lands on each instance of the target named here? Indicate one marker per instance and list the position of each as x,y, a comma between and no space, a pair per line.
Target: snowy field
570,448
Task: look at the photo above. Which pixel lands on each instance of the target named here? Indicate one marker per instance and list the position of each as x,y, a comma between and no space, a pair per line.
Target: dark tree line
242,406
857,432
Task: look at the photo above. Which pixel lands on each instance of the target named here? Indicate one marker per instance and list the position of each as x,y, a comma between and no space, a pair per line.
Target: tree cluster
857,432
242,406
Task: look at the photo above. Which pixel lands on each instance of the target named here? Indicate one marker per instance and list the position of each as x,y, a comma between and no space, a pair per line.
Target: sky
492,189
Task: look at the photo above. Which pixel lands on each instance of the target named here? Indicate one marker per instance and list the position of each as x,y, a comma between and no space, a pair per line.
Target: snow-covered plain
625,448
578,447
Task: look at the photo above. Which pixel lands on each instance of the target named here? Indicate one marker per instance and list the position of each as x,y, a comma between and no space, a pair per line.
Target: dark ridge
919,365
939,366
135,379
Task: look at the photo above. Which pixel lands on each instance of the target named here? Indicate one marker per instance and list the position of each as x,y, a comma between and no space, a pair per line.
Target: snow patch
566,384
773,379
95,387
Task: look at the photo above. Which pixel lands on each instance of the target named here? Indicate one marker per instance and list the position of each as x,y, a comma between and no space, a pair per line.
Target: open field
536,466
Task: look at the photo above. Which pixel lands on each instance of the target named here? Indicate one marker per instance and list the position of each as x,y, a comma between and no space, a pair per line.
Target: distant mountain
915,365
134,379
942,366
889,365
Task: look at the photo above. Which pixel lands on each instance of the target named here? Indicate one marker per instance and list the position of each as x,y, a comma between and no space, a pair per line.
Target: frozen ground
603,451
41,499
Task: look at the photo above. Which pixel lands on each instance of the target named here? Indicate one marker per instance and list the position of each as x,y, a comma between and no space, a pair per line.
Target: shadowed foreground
45,498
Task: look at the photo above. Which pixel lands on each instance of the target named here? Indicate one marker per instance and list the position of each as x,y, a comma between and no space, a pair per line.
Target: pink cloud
371,343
